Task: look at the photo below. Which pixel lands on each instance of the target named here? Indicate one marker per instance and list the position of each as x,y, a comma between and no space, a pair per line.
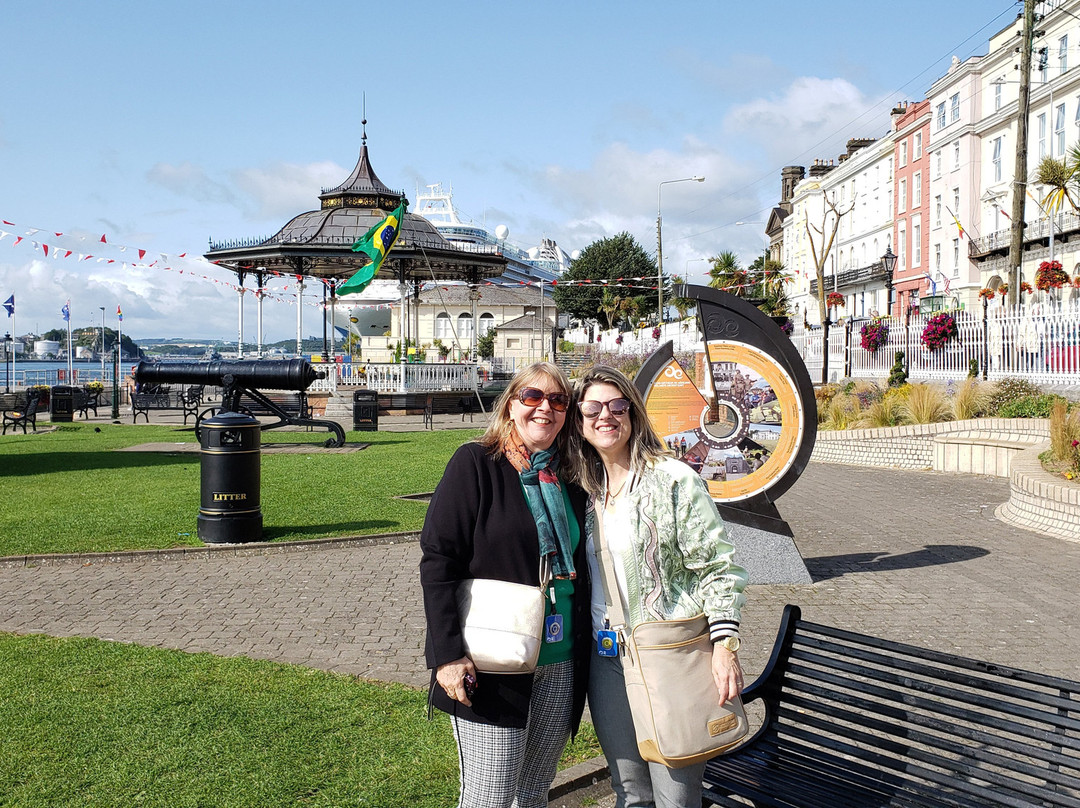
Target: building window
903,153
487,324
1042,135
997,159
940,117
901,201
916,190
937,258
442,327
954,108
901,245
937,211
956,154
918,146
1063,54
1059,130
465,327
997,94
955,257
513,343
956,200
916,243
937,161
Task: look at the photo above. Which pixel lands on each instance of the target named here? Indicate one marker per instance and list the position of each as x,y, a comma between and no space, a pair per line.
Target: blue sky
163,125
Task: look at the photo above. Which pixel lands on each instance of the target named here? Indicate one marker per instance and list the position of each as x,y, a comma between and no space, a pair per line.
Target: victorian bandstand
316,247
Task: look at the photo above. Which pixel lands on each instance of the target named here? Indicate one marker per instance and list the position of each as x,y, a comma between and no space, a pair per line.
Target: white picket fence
1040,343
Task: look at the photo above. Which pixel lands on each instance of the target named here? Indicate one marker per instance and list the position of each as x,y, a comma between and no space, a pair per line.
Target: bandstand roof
319,242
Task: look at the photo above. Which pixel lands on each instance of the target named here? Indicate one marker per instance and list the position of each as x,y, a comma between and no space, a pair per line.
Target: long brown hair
645,445
499,425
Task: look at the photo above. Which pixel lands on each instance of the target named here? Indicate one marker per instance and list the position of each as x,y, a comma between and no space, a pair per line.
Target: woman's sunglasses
531,397
616,406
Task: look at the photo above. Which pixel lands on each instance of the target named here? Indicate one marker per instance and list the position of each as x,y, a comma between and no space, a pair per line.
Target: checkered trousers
505,767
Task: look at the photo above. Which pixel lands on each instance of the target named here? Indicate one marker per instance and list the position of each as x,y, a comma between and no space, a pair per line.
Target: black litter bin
62,406
365,411
230,455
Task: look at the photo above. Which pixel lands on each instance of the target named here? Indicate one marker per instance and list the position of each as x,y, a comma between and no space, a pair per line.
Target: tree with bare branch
820,249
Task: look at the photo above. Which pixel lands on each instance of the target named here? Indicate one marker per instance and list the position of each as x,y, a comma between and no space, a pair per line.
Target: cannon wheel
210,412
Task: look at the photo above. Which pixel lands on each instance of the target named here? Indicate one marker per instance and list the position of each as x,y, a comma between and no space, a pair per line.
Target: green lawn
71,491
93,723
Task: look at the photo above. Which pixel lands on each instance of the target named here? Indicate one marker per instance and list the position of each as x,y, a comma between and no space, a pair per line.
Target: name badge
607,643
553,629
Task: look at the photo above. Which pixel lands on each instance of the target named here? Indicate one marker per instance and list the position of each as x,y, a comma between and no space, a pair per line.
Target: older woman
672,560
501,504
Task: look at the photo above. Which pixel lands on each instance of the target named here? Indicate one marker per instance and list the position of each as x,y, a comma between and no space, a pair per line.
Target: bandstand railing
395,377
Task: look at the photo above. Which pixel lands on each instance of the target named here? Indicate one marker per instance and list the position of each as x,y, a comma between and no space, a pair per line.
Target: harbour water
29,372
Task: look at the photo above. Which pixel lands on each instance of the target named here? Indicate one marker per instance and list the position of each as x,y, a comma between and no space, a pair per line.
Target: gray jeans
637,784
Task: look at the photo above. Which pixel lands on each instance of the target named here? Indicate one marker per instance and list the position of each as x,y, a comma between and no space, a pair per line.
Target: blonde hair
500,425
645,446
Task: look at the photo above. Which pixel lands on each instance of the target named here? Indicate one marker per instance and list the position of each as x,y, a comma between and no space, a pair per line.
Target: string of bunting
164,262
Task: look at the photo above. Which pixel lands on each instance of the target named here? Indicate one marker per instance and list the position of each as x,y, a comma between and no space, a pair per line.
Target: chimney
789,178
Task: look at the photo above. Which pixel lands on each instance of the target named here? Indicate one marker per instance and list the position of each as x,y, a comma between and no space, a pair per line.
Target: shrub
925,404
969,401
842,412
884,412
1008,390
1037,406
824,394
897,375
973,369
1064,429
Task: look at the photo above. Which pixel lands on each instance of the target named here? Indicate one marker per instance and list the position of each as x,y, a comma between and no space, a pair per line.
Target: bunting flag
66,311
9,304
376,243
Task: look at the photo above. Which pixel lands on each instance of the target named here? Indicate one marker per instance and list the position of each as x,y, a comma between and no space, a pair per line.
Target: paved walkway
912,556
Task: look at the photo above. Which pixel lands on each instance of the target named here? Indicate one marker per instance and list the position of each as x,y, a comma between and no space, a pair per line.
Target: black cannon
242,383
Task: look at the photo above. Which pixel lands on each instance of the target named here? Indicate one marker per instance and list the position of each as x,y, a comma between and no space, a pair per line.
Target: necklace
611,496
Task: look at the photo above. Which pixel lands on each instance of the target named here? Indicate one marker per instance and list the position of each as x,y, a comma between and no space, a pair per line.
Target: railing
390,377
683,334
1033,231
853,277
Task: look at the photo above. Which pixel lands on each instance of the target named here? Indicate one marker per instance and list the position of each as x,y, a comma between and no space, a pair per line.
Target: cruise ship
544,263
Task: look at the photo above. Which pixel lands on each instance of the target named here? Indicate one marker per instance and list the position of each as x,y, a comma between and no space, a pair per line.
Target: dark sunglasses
616,406
531,397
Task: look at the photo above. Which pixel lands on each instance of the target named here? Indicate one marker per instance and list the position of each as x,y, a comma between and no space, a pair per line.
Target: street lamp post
889,261
102,343
7,362
660,247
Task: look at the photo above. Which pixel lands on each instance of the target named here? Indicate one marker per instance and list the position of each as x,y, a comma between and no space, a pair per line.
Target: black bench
23,416
186,401
853,720
85,400
293,403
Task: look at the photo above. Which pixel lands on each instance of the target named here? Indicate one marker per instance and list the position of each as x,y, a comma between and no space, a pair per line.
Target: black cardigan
479,525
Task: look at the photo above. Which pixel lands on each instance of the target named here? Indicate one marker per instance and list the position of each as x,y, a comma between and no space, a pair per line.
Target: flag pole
70,374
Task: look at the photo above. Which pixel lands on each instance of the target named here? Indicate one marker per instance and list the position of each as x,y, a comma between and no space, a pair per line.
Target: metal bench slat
915,699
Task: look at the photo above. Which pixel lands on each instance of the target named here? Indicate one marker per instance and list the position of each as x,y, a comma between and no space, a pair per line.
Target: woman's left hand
727,673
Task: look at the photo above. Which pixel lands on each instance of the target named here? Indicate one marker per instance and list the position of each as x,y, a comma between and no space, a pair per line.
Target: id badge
553,628
607,642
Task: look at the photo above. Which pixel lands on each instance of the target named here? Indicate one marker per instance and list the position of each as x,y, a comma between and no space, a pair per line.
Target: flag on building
376,243
959,227
933,283
119,314
66,311
9,304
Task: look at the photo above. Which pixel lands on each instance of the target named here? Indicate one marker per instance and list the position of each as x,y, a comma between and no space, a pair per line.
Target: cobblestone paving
912,556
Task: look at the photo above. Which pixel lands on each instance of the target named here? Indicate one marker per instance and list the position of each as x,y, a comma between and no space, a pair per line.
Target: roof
490,295
528,322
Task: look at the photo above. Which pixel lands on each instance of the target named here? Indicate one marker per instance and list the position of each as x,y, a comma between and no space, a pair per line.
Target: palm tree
609,305
726,274
1062,177
681,304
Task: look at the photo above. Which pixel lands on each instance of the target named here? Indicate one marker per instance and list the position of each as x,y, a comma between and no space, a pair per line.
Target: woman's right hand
451,678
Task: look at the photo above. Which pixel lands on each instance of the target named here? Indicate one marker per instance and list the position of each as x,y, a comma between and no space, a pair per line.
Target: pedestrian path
912,556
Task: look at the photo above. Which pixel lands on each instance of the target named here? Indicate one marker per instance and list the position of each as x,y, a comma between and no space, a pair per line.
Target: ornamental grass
926,404
969,400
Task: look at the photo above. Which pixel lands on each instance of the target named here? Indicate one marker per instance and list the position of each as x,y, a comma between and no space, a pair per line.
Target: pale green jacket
679,562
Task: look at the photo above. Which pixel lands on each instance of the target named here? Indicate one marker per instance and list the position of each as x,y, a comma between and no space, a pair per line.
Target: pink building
911,204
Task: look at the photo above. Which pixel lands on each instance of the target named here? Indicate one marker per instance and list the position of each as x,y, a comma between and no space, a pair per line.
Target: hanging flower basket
656,333
874,335
834,300
599,337
939,329
987,293
618,340
1026,287
1050,275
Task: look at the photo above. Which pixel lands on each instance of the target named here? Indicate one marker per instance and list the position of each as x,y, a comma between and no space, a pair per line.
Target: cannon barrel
266,374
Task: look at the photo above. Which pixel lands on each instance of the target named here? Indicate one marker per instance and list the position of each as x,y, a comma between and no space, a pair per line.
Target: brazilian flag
376,243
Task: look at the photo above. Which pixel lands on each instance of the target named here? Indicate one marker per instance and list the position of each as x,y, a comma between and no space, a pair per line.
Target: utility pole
1019,189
